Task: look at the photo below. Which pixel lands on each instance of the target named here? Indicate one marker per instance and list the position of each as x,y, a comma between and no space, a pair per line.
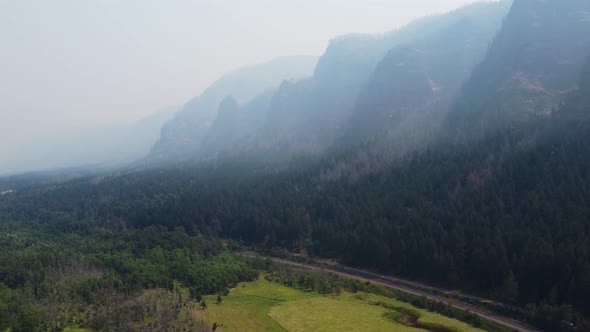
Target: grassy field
266,306
337,313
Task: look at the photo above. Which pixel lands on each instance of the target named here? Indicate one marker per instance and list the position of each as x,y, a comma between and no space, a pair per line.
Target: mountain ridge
182,136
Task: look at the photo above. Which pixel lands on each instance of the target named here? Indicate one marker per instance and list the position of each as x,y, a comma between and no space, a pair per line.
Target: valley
434,177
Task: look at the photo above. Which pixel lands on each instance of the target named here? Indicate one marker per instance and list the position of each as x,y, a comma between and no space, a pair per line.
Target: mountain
304,115
359,72
532,66
578,103
235,125
413,85
182,136
355,68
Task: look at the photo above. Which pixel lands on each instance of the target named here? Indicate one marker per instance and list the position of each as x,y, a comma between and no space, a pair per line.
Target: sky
73,64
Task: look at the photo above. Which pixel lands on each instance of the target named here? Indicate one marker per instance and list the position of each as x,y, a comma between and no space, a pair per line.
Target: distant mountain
181,137
235,125
224,129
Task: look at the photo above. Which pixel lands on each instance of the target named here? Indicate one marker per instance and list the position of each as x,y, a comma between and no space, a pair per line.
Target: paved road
409,287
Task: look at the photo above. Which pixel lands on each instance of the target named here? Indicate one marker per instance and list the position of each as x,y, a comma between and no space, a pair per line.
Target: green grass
338,313
267,306
246,308
426,317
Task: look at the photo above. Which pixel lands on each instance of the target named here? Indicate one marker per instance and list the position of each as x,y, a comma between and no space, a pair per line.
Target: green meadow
269,306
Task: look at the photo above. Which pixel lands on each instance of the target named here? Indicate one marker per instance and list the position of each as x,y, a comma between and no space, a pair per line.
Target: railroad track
408,287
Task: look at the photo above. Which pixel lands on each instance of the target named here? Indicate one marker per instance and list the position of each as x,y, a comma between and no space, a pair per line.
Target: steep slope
357,75
181,137
231,134
415,82
224,129
532,65
576,107
304,115
308,116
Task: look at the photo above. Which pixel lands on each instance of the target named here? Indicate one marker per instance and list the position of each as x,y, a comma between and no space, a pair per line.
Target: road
408,287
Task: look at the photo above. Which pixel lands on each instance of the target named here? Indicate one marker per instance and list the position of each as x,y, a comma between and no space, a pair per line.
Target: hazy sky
77,63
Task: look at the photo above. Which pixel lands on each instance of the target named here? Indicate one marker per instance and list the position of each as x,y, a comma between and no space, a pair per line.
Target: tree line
105,280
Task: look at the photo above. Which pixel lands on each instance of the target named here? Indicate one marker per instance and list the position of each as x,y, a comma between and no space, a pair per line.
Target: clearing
269,306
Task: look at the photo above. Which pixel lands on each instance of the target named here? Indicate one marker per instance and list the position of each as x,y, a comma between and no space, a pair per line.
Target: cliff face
358,85
416,81
365,83
532,65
